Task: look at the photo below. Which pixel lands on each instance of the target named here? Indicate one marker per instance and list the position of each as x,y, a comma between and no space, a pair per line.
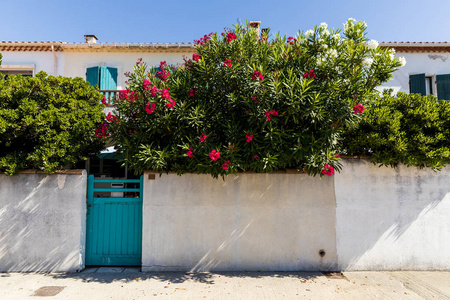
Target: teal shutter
417,84
108,78
92,76
443,86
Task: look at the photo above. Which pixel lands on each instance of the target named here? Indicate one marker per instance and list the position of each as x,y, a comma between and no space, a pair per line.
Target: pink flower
123,95
203,137
102,130
104,102
214,155
171,104
163,75
154,90
190,152
132,96
270,113
147,83
358,108
139,61
231,36
328,170
111,118
255,156
165,94
226,165
248,137
192,92
232,146
150,108
195,57
310,74
227,63
257,75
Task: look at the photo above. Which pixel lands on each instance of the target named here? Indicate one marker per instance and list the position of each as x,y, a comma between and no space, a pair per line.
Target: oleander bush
405,128
249,103
47,122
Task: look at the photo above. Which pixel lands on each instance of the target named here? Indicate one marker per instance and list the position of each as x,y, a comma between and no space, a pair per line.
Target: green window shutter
108,78
417,84
443,86
92,76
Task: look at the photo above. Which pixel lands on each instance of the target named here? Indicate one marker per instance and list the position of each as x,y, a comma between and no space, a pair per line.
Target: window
425,85
24,70
104,77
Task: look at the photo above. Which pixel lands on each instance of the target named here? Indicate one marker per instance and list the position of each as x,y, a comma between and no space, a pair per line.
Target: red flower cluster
171,104
227,63
214,155
190,152
154,90
270,113
147,84
226,165
102,130
203,40
255,98
150,108
111,118
195,57
104,102
328,170
248,137
127,95
291,40
310,74
165,94
139,61
358,108
232,147
192,92
231,36
163,74
203,137
257,75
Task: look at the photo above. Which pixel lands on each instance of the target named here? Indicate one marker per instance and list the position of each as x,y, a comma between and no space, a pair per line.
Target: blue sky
183,21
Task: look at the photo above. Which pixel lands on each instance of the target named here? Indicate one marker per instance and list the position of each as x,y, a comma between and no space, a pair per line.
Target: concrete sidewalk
120,283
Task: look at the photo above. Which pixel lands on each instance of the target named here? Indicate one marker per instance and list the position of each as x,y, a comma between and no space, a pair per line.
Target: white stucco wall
246,222
416,63
392,219
42,222
39,61
74,64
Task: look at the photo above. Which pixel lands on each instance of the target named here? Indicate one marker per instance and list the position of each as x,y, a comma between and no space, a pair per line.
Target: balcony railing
110,95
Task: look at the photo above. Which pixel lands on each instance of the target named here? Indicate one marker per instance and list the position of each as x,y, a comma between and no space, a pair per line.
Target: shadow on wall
248,222
392,219
41,222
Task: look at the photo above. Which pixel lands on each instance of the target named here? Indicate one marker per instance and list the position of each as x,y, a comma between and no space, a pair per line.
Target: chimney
255,25
90,39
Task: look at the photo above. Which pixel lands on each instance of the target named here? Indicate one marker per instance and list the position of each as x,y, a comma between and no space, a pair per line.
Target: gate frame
112,260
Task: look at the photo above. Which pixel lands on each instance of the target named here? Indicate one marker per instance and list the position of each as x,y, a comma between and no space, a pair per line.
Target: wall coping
65,172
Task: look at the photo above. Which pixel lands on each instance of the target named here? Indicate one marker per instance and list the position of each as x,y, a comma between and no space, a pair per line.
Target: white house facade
427,69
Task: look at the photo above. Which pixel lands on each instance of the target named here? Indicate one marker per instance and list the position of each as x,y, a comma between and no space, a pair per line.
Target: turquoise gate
114,224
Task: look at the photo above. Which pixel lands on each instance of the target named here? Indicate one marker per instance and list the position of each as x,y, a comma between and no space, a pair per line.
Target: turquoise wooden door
114,224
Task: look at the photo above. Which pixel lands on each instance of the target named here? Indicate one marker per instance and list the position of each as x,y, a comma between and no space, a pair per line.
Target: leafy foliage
47,122
263,104
405,128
